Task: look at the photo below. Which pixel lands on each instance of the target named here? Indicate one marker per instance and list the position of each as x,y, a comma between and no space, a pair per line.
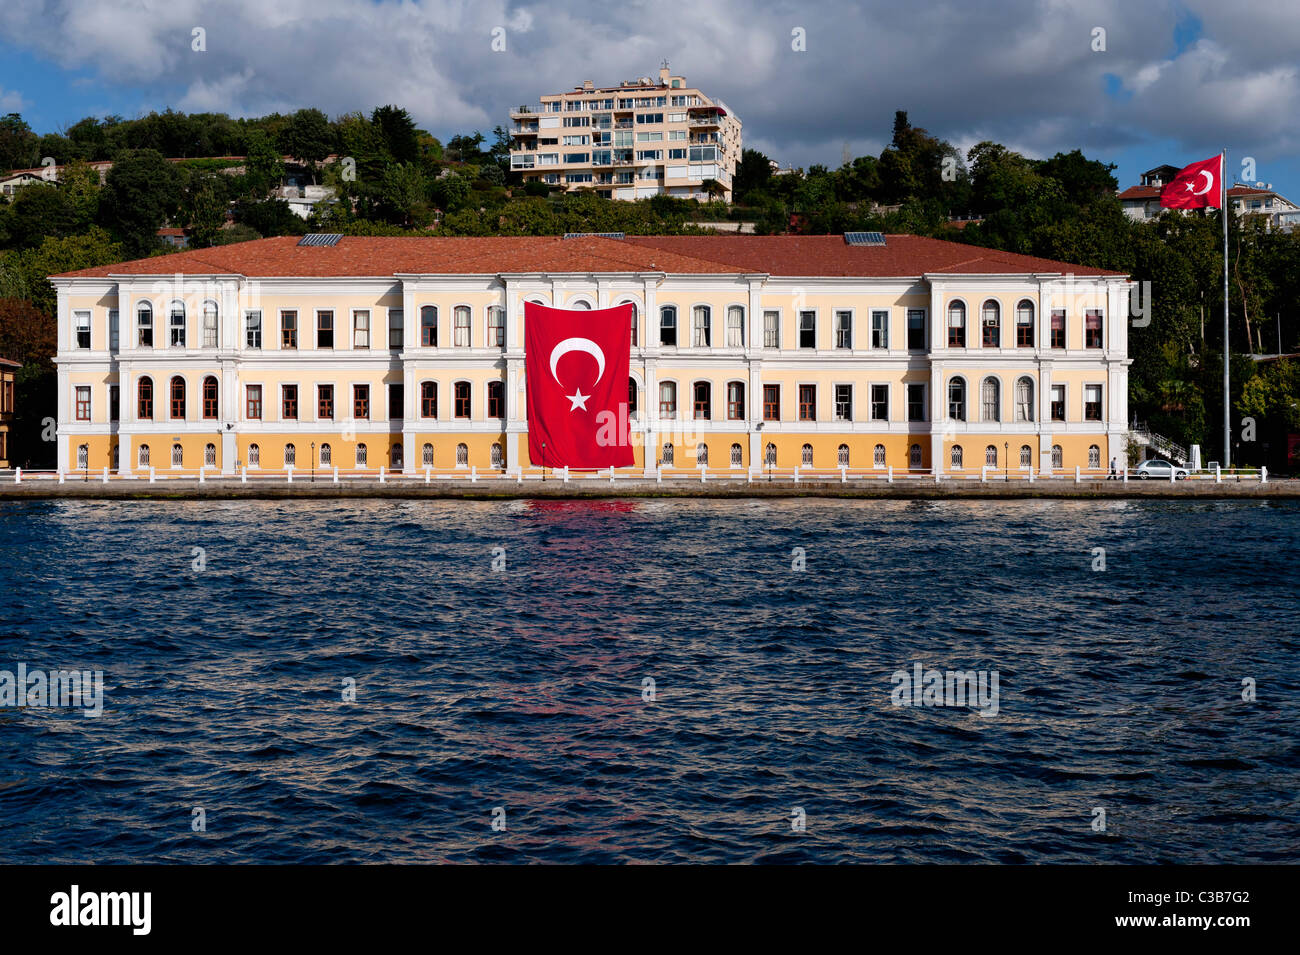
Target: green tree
17,143
204,209
38,211
753,173
307,137
142,191
398,132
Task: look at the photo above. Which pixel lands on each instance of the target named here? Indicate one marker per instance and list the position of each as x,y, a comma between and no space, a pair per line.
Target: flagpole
1227,411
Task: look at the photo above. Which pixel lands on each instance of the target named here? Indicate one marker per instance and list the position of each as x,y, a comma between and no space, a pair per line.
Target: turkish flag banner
576,366
1195,187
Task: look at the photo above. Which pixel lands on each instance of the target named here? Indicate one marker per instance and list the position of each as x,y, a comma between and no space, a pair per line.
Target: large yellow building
816,352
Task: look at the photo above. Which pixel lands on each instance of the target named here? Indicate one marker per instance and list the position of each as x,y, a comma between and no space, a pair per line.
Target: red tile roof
902,256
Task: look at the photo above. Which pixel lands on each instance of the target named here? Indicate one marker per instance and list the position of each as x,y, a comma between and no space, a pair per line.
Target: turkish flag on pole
576,365
1195,187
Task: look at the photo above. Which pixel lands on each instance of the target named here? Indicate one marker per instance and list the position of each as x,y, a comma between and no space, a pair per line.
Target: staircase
1141,431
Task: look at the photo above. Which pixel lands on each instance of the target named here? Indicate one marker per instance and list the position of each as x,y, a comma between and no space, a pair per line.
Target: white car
1156,468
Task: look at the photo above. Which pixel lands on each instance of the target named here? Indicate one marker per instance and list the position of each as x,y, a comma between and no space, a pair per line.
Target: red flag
1195,187
576,364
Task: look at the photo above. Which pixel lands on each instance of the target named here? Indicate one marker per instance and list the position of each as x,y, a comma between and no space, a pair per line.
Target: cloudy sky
1177,80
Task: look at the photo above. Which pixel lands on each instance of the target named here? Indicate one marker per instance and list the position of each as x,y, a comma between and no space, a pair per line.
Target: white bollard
243,474
381,474
18,475
1173,472
1218,474
1031,474
659,477
60,475
702,470
202,471
843,474
890,476
473,474
152,475
1263,474
566,474
1076,474
1125,478
796,474
984,473
289,472
106,474
938,475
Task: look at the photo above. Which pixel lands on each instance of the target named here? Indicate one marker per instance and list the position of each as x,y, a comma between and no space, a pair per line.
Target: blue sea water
520,695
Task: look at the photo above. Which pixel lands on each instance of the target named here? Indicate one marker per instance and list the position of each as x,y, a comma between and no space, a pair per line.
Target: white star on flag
577,400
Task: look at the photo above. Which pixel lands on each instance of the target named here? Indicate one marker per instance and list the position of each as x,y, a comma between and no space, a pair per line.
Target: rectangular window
843,329
114,397
289,402
880,402
1092,402
1058,328
83,402
144,326
325,329
1092,328
880,329
668,325
916,332
361,328
843,402
702,320
325,402
462,402
1024,328
807,402
916,402
771,402
178,325
361,402
772,329
396,401
428,326
735,401
496,399
1058,402
253,329
396,329
82,320
253,402
991,328
209,326
289,329
735,327
808,329
113,340
461,316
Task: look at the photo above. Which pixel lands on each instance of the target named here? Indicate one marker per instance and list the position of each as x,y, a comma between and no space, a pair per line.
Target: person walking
1114,475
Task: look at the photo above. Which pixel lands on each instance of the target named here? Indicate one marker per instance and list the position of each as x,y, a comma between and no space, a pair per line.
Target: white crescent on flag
577,344
1209,181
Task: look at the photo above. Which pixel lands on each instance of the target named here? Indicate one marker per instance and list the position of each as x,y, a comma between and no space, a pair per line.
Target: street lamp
313,462
1006,459
543,462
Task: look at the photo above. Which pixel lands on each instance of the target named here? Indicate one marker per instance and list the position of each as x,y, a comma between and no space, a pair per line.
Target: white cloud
12,101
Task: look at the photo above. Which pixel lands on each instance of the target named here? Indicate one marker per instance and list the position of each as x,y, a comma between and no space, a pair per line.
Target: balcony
523,111
524,130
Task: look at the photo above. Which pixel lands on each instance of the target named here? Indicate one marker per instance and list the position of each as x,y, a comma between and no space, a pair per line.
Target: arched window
209,455
1024,399
989,399
805,456
462,455
991,456
460,318
362,455
737,456
496,326
914,456
210,397
290,456
429,326
83,456
254,456
1058,459
461,398
735,401
142,456
878,456
702,326
668,325
176,324
666,457
954,457
769,455
667,399
635,322
428,399
703,406
631,397
144,325
496,397
178,456
957,325
701,454
395,456
144,399
991,323
498,458
178,398
1026,456
735,326
1094,456
426,455
326,456
842,456
1025,323
957,399
580,303
209,324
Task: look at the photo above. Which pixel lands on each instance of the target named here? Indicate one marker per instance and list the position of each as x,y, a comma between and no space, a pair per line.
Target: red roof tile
903,256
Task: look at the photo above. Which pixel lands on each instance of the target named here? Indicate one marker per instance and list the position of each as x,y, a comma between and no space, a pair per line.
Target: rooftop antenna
664,64
845,154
